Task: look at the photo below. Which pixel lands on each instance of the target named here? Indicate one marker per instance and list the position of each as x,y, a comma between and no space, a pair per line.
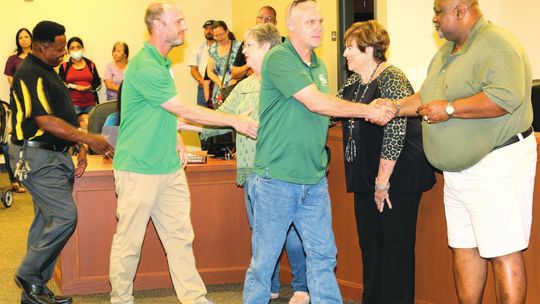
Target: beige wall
100,23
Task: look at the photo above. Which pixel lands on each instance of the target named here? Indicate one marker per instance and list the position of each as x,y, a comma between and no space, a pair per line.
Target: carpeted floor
14,224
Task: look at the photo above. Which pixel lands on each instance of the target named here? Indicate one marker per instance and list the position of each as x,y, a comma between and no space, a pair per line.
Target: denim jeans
83,109
295,253
277,204
200,96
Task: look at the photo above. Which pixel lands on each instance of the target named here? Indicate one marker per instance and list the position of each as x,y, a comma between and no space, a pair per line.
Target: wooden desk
222,243
434,280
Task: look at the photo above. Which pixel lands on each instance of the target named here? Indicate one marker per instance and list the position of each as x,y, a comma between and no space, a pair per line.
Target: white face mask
76,55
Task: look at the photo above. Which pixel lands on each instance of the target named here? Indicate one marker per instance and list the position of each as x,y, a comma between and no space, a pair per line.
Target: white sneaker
274,295
299,297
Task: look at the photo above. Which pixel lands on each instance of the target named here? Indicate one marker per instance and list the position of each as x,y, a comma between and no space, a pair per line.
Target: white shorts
489,206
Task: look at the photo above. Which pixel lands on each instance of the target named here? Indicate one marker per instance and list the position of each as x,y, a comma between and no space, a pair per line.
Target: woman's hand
382,197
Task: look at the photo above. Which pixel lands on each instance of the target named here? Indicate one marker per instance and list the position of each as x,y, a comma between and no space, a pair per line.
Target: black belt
514,139
45,145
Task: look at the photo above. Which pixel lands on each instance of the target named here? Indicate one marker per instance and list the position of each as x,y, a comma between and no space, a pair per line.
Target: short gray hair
265,33
154,11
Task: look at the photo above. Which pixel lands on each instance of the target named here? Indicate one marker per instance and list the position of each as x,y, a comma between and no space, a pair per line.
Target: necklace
350,149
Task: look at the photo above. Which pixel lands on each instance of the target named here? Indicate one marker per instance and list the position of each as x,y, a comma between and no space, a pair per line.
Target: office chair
99,114
535,99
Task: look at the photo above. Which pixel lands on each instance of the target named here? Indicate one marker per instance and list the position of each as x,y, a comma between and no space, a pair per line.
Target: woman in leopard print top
384,166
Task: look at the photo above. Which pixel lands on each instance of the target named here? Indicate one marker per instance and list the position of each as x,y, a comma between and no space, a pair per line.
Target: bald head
155,10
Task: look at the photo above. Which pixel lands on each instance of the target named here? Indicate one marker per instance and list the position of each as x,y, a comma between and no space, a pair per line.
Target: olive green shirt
491,61
291,138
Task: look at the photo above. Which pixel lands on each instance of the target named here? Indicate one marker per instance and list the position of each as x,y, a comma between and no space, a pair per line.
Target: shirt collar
314,59
40,62
152,50
478,27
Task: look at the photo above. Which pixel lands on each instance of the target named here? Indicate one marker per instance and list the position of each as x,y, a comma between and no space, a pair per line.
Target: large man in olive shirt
289,183
476,107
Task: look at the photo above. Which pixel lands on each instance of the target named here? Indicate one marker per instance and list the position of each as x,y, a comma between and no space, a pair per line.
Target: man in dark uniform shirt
44,128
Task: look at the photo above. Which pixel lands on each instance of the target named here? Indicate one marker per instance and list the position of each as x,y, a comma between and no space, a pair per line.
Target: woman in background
81,77
383,166
23,40
221,59
114,72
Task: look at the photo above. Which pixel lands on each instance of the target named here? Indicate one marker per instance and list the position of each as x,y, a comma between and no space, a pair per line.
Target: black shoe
33,293
57,299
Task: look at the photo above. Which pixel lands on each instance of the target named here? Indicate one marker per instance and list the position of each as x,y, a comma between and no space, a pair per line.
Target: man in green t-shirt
289,184
150,180
477,112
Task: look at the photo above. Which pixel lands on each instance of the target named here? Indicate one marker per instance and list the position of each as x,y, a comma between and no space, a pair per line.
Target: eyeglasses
265,19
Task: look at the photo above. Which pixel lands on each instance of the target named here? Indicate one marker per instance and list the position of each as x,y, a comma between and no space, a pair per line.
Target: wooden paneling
222,237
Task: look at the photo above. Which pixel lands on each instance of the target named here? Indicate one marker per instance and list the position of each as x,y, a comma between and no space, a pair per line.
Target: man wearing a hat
198,65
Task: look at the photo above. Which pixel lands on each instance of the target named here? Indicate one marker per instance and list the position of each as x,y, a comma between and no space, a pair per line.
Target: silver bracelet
380,187
398,108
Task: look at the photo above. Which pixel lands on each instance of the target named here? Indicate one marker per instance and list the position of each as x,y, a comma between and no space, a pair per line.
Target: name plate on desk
197,157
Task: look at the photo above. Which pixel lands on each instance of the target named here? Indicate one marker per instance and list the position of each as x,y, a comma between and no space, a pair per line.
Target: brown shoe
17,187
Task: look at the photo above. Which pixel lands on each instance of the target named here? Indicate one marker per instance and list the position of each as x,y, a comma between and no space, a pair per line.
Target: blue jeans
277,205
83,109
200,96
295,253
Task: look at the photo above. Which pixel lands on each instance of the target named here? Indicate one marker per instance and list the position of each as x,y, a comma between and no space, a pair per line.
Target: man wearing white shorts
477,113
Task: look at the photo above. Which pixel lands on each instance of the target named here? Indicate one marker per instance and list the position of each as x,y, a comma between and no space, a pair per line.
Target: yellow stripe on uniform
27,100
19,117
38,134
42,96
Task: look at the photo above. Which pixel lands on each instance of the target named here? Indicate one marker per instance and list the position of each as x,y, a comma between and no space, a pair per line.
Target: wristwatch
449,109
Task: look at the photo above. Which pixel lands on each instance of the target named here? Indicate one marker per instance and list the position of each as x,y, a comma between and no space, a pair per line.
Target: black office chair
99,114
535,99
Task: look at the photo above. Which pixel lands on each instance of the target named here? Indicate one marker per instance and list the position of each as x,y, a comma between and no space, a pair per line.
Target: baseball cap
208,23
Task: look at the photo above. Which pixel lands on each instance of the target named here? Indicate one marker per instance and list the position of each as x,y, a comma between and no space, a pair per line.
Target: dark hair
74,39
369,34
268,7
19,48
47,31
126,48
119,100
222,24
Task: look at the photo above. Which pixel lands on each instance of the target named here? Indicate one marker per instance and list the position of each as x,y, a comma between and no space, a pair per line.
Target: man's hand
100,145
81,161
433,111
382,111
246,125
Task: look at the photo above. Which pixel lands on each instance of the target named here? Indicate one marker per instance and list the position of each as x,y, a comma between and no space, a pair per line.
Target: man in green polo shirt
150,181
289,184
477,112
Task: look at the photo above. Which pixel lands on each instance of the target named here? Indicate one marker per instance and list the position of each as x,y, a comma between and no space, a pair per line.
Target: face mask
76,55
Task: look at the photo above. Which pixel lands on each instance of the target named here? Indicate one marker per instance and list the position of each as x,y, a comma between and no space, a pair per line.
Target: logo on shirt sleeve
323,80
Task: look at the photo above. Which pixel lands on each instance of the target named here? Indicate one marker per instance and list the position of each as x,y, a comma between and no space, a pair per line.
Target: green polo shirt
491,61
147,135
291,139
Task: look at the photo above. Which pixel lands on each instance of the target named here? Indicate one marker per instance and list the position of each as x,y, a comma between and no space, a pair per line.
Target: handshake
381,111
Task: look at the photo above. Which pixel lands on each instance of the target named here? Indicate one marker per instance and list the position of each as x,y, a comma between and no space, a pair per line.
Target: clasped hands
431,112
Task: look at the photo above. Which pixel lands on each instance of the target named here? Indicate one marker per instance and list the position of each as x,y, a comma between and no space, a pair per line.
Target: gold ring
425,118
